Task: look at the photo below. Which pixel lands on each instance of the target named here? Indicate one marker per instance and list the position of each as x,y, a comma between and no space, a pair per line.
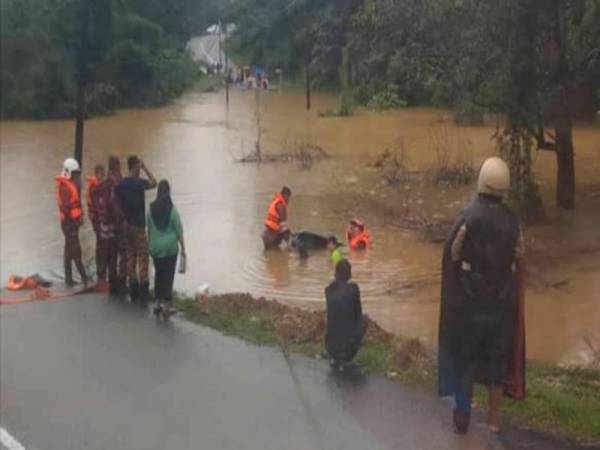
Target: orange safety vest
16,283
75,211
273,221
92,182
360,240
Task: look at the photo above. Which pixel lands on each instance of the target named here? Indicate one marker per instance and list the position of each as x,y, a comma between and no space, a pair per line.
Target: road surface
95,373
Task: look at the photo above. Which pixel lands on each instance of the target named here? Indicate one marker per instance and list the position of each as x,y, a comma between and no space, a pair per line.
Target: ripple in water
285,276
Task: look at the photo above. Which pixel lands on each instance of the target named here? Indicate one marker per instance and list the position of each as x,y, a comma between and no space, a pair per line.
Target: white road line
8,441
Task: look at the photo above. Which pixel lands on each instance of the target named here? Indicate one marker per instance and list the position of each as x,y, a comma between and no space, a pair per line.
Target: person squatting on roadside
165,234
130,194
68,187
276,229
346,326
114,178
102,211
482,331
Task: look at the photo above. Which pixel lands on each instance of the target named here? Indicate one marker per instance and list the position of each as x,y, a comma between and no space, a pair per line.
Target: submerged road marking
8,441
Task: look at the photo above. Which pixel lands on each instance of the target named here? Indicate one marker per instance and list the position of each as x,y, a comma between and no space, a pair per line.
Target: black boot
68,272
145,296
122,286
461,421
113,284
134,291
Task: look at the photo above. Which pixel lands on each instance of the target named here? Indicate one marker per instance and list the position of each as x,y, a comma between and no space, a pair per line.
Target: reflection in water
193,144
277,269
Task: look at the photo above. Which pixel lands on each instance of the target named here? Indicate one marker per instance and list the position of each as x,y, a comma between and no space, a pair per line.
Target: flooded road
194,144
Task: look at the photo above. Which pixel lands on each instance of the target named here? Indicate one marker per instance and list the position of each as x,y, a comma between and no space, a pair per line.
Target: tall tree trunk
81,81
563,123
565,162
308,85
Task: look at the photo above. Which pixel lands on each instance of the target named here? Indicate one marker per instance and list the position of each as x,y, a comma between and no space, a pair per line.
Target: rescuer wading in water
276,229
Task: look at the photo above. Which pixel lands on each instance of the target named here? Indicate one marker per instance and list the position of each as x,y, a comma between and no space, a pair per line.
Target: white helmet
494,177
70,165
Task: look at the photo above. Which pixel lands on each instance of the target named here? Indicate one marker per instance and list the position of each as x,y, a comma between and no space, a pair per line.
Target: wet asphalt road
94,373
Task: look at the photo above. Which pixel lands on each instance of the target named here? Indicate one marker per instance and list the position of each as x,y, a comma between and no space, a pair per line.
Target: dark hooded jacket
481,327
345,324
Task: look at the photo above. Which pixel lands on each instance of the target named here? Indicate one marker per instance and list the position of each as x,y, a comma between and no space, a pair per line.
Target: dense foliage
134,54
537,62
442,52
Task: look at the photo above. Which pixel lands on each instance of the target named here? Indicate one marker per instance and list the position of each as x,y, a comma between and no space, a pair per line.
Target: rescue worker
92,182
130,195
481,335
68,186
276,229
118,285
345,323
99,199
357,235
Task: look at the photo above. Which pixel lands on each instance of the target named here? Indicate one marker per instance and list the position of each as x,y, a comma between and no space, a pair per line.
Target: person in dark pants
98,196
68,185
482,331
345,324
131,198
118,285
165,234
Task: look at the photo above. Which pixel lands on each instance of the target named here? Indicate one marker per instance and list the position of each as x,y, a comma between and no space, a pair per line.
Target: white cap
70,165
494,177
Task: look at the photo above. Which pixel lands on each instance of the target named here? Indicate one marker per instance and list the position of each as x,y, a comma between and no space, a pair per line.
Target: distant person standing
118,285
130,194
99,198
68,187
276,229
482,331
165,234
345,323
97,205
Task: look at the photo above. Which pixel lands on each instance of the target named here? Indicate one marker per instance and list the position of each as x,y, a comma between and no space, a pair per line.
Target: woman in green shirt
165,235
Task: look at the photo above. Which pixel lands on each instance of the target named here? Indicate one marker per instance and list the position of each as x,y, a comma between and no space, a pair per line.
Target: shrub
388,98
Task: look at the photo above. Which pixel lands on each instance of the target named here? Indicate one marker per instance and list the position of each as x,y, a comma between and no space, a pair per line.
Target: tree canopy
537,62
135,52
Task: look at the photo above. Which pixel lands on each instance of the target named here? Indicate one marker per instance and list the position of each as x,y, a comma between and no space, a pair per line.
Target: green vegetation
535,62
127,53
387,98
559,400
256,327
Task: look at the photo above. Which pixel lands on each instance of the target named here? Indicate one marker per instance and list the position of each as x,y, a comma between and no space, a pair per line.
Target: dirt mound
291,323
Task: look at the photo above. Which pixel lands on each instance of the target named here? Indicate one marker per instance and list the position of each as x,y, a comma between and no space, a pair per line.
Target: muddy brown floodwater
194,144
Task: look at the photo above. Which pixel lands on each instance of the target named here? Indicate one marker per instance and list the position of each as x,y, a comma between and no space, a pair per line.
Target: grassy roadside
563,401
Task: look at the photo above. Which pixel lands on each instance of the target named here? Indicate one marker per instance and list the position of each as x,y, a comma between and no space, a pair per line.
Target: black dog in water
305,241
